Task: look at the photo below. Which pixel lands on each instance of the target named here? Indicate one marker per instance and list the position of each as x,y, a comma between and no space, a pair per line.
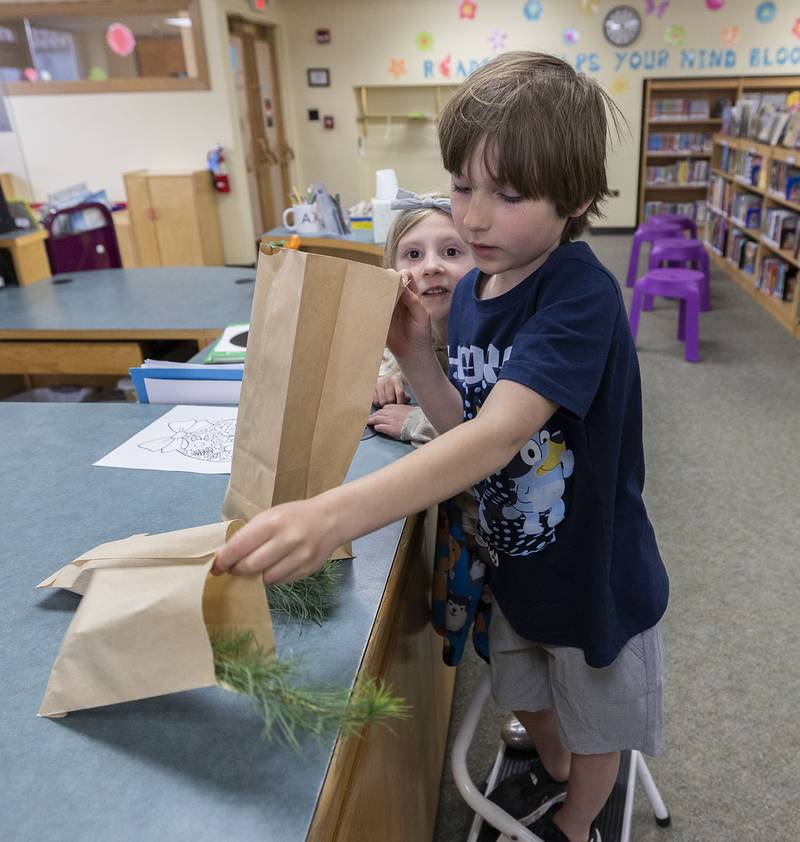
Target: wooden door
267,154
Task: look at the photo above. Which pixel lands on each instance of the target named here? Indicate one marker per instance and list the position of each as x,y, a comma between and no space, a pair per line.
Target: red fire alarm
327,121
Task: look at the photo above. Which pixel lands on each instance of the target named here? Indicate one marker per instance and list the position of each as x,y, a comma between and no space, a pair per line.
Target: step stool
614,820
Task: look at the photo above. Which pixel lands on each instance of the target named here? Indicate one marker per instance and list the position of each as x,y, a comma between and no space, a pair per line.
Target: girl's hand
284,543
389,389
410,330
390,419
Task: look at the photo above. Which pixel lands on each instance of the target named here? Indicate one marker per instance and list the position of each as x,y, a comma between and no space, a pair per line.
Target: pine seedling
288,711
310,599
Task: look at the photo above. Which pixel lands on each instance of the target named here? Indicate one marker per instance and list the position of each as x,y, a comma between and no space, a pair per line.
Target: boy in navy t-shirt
542,414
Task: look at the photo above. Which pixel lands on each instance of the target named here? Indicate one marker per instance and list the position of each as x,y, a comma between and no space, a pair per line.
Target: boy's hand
410,330
389,389
390,419
284,543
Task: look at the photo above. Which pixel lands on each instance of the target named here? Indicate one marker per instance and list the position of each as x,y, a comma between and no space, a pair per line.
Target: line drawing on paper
197,438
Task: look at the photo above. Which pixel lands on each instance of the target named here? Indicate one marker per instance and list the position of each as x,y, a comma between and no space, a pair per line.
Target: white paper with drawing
197,439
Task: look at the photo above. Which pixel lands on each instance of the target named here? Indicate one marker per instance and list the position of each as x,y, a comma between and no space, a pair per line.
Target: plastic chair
648,233
685,222
683,284
511,830
676,252
75,245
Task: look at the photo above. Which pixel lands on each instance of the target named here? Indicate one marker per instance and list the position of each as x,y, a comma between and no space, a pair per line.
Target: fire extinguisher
219,169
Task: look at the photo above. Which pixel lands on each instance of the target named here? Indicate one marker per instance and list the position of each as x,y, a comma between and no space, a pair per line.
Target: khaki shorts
598,710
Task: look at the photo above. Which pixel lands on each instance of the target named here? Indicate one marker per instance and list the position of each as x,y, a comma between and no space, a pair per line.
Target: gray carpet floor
722,442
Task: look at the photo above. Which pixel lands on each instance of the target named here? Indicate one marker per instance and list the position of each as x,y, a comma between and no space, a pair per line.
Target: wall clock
622,26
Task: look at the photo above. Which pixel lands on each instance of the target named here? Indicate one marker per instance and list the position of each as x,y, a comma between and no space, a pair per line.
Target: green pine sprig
288,711
310,599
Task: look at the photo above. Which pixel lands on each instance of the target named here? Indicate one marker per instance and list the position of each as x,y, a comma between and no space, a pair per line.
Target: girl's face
437,258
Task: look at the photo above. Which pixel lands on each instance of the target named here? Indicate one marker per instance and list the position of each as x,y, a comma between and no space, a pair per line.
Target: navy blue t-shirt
576,558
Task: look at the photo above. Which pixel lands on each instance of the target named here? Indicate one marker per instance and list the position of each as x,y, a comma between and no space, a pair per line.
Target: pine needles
288,711
312,598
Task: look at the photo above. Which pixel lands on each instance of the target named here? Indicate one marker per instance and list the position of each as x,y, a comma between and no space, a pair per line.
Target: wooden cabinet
173,217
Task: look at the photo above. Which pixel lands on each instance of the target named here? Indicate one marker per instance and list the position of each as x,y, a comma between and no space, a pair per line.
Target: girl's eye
453,252
413,254
460,188
511,200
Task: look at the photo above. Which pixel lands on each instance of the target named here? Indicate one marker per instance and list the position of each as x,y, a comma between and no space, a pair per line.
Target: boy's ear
581,209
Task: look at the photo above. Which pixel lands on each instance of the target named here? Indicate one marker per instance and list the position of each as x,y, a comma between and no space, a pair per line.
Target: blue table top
183,766
150,299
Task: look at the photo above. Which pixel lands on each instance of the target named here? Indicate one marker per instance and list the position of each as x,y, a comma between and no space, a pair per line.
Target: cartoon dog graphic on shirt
529,495
539,471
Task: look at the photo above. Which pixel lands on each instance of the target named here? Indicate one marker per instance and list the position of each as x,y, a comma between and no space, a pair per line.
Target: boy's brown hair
545,130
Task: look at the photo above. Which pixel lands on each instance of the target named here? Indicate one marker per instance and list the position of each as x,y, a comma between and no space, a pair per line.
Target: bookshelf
679,120
753,230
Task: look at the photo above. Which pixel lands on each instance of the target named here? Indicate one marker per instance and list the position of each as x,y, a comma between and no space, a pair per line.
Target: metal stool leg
491,813
639,771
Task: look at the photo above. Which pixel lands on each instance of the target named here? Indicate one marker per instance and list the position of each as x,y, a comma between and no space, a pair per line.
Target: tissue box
382,218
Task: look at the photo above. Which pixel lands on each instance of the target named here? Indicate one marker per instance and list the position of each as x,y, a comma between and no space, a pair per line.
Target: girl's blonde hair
404,222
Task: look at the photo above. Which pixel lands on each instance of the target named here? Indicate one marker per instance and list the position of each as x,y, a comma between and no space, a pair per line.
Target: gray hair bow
407,200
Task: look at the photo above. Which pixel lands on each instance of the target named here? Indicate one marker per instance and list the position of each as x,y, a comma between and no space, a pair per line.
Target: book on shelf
791,137
667,108
784,180
776,278
748,256
679,142
766,118
781,228
696,210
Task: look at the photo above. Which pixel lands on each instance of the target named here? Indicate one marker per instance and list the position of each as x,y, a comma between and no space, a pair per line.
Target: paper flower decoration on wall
444,66
620,86
570,36
533,9
796,28
425,42
589,7
674,35
467,10
31,74
730,35
656,8
715,5
765,12
497,40
397,67
120,39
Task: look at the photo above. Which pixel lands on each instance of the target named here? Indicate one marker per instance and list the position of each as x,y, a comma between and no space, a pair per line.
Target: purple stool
648,233
686,223
673,283
676,252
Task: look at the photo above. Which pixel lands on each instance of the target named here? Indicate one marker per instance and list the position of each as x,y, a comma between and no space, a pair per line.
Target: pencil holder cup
305,219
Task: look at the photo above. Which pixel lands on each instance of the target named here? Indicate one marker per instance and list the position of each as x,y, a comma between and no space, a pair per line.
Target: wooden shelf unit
786,313
715,91
400,104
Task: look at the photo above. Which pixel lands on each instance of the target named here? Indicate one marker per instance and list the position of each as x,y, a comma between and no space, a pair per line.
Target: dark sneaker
528,795
547,830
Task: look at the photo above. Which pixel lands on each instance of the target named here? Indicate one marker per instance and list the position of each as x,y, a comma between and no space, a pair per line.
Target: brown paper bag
317,332
142,627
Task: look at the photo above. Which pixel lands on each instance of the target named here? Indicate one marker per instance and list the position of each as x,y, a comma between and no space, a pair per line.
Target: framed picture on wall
318,77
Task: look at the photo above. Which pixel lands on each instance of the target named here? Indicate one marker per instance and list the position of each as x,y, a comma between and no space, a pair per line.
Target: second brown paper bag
318,328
